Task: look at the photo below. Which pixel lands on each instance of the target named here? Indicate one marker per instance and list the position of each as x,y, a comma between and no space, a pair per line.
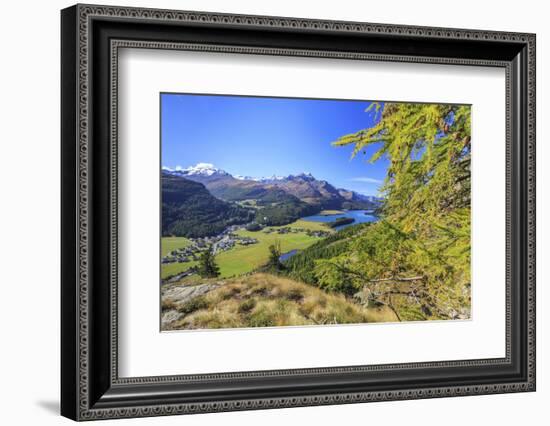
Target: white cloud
366,180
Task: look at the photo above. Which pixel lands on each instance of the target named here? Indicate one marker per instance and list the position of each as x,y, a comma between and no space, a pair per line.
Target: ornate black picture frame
91,387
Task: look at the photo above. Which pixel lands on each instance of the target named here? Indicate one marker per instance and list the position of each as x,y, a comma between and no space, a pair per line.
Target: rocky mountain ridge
303,186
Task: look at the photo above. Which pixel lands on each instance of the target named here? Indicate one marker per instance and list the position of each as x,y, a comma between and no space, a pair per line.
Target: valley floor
242,259
243,297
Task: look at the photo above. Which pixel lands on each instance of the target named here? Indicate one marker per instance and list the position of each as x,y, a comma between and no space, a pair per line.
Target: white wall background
29,212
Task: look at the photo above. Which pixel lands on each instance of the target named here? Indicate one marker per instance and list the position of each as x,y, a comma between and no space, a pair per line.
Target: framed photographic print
263,212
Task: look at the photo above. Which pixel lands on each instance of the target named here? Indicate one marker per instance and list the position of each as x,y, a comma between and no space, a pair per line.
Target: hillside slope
189,210
260,300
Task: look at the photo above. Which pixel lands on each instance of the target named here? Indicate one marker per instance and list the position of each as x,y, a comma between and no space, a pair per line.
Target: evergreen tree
207,267
274,262
416,260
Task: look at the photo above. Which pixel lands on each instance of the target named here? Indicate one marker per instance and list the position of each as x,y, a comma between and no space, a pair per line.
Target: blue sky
256,136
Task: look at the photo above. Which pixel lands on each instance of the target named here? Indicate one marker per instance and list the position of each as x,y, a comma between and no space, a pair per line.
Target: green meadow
172,243
169,269
169,244
243,259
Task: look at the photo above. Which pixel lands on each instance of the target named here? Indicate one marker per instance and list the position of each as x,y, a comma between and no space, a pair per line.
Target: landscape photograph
312,212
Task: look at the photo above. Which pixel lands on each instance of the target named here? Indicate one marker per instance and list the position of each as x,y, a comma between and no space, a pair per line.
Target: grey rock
180,295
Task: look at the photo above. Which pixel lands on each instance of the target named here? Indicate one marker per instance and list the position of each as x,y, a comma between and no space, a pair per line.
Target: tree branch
406,279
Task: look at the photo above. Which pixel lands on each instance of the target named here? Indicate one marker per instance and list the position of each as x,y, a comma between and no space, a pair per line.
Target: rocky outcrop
174,297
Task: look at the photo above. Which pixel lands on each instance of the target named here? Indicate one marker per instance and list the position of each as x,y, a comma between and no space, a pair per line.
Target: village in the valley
217,243
227,240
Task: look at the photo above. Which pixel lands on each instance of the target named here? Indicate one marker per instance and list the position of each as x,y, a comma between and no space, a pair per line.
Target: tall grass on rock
265,300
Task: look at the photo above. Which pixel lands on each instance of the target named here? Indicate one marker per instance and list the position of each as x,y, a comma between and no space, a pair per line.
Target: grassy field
244,259
169,244
171,269
265,300
309,224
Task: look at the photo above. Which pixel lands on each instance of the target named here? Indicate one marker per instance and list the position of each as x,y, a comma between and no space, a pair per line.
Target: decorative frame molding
91,37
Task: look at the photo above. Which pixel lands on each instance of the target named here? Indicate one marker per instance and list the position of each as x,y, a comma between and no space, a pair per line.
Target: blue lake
360,216
287,255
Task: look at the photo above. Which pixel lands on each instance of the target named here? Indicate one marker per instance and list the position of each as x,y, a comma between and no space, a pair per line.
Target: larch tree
416,259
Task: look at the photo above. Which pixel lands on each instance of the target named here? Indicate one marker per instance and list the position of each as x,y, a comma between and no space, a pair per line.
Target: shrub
193,305
227,293
246,306
261,318
295,294
168,305
260,290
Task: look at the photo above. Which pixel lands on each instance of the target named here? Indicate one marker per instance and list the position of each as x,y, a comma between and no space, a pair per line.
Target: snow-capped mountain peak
240,177
273,178
208,170
199,169
205,169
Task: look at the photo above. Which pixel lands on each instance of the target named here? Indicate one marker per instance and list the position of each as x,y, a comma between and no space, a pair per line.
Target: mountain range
203,200
304,187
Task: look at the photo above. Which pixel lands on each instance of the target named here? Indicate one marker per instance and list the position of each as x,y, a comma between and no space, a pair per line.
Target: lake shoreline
358,216
293,241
